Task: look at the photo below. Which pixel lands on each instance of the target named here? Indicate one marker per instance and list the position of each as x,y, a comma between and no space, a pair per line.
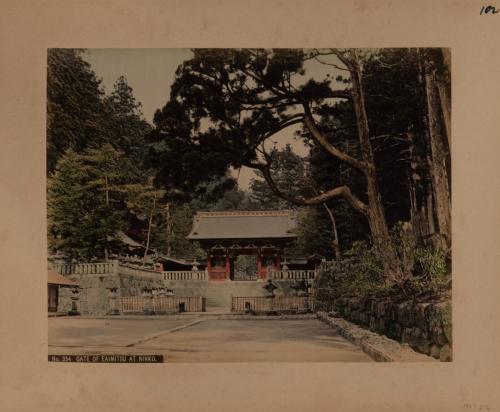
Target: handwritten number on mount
489,10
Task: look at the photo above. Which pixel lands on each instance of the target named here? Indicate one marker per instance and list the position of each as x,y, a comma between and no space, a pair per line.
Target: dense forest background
376,182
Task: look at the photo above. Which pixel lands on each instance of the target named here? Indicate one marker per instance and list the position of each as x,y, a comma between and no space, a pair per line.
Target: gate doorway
244,267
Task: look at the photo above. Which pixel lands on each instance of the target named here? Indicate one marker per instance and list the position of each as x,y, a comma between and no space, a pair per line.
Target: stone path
194,338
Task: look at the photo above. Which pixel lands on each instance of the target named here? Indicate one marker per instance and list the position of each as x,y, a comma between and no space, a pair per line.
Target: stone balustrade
185,275
292,274
86,268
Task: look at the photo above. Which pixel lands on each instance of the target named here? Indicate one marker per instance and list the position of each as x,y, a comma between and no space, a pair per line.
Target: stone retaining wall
95,296
426,327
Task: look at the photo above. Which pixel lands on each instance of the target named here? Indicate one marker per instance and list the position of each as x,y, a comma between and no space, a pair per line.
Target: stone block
400,313
406,338
365,318
424,346
420,315
447,330
435,351
373,324
445,355
393,312
414,337
394,331
381,325
440,337
410,315
380,309
447,321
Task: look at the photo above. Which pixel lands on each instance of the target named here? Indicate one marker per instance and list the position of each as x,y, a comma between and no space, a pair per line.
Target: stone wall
425,327
94,296
132,285
94,292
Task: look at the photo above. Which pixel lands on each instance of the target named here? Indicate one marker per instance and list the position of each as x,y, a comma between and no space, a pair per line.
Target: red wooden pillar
278,260
228,265
209,265
260,272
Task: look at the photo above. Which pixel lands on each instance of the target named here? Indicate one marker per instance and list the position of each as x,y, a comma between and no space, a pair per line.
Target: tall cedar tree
81,214
75,109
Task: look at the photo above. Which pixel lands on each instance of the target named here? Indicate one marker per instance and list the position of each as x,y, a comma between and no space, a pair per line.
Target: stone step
224,289
222,302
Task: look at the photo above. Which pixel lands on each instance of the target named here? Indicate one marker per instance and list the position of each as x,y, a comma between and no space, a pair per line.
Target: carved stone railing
85,268
185,275
114,267
292,274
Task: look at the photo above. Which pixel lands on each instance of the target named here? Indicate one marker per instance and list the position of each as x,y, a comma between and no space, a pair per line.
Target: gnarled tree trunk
375,212
439,153
420,192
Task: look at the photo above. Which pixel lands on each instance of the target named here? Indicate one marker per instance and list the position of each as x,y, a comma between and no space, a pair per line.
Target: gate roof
271,224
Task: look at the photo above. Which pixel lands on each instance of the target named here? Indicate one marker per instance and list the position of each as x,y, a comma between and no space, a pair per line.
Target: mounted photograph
249,205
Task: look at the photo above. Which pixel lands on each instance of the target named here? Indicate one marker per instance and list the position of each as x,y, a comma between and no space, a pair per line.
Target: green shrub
422,270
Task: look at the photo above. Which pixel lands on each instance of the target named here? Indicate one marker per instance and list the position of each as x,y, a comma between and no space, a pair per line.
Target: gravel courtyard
192,338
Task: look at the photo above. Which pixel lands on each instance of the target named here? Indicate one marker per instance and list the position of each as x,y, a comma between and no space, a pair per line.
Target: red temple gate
227,235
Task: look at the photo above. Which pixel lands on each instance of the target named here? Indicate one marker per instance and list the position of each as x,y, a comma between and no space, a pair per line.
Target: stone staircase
218,293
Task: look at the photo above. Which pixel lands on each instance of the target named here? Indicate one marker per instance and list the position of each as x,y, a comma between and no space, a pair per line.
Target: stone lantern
75,297
301,287
113,307
270,287
147,294
162,291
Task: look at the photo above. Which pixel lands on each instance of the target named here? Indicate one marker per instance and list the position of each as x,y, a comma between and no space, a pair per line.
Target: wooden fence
178,304
263,303
168,304
132,304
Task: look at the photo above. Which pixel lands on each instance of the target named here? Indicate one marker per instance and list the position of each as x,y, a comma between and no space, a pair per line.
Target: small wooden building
168,263
54,282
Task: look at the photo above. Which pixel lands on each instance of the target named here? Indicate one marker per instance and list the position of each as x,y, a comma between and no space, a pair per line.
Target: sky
151,72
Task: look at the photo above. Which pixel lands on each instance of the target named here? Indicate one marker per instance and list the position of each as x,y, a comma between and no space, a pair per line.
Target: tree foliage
75,109
95,147
82,212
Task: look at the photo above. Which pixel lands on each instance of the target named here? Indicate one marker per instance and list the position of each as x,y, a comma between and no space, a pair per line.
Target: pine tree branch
341,191
321,141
